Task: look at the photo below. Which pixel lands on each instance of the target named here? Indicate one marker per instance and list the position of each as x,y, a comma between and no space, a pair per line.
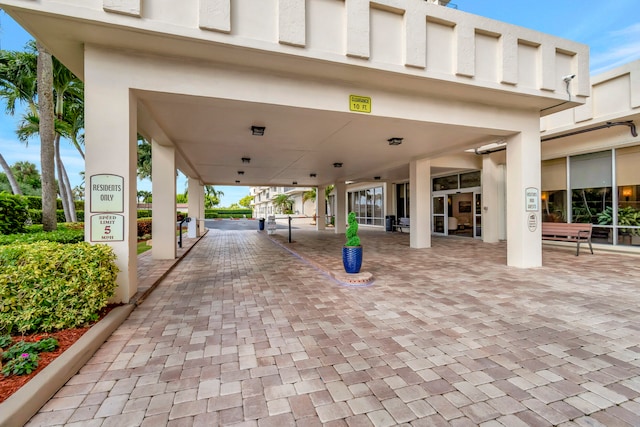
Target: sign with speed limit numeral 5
107,228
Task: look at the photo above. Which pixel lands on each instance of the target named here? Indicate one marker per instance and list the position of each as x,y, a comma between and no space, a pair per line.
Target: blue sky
610,28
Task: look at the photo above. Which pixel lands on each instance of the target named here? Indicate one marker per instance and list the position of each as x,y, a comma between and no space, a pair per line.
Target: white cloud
624,47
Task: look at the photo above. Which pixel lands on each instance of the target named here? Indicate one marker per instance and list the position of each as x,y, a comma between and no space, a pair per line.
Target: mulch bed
66,338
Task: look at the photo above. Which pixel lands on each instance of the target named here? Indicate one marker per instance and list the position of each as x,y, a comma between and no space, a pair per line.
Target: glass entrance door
439,215
477,223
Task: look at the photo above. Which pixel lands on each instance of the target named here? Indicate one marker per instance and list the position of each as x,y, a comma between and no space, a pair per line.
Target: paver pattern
243,332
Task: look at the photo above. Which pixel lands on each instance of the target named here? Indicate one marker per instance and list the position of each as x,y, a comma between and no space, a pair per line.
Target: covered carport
194,78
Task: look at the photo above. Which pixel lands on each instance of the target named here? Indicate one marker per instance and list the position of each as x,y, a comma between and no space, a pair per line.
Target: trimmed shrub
144,213
144,227
13,213
228,213
35,202
49,286
66,233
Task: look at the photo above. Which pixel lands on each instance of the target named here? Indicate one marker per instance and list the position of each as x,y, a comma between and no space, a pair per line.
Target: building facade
375,98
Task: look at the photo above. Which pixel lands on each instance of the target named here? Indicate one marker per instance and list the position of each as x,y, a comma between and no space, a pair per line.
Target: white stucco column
490,198
111,148
163,172
524,245
195,201
388,191
320,208
201,226
341,207
420,209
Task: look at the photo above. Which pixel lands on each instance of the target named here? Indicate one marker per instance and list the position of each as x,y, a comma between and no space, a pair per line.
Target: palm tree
212,196
283,203
15,188
17,84
20,74
47,137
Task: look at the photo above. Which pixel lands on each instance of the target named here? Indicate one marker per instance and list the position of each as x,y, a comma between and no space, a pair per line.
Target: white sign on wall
106,193
532,198
107,227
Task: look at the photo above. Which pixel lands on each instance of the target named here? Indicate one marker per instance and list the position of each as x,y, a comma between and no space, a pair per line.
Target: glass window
445,183
590,187
628,181
554,190
554,207
470,179
368,205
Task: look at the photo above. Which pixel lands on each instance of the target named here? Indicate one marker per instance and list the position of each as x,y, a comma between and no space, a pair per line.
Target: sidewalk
243,332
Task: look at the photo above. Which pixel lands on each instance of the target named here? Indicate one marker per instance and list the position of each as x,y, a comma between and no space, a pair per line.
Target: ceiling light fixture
295,182
237,182
312,175
395,141
240,172
246,160
337,165
257,130
377,178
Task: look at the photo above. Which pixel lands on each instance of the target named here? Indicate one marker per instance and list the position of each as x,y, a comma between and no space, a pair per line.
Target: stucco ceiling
212,137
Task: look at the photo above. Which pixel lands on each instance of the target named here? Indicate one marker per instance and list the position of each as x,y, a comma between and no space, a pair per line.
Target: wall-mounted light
294,183
395,141
337,165
377,178
627,191
240,172
246,160
257,130
237,181
312,175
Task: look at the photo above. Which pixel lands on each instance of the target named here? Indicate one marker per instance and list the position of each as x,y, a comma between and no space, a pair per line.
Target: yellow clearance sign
359,104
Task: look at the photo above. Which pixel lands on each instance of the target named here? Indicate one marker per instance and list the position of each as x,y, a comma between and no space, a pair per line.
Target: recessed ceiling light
337,165
240,172
377,178
295,182
395,141
237,182
246,159
257,130
312,175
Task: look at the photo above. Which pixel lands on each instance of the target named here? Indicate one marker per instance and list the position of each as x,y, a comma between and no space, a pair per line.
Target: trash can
261,224
390,220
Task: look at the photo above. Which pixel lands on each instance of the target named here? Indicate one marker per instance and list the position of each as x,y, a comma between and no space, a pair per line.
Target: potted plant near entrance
352,250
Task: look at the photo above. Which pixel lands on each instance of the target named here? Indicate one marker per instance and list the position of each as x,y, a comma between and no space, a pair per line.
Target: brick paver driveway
243,332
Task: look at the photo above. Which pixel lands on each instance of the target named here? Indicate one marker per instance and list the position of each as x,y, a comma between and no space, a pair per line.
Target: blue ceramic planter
352,258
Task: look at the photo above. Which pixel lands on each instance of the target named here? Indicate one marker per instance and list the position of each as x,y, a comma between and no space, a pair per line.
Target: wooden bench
564,232
402,223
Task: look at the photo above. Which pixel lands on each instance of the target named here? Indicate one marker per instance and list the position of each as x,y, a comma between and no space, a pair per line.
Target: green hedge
49,286
228,213
13,213
144,213
36,216
35,202
34,233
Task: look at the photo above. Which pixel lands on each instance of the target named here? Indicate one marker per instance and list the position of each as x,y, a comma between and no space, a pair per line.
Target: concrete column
194,204
163,172
111,144
341,207
490,198
201,226
320,208
420,209
388,190
524,245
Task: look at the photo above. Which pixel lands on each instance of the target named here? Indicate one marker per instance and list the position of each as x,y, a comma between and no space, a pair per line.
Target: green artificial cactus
352,230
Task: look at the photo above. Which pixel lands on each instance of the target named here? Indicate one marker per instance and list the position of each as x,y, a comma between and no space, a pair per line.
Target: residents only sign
106,193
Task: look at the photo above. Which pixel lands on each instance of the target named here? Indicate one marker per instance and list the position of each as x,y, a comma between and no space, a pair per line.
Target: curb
27,401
